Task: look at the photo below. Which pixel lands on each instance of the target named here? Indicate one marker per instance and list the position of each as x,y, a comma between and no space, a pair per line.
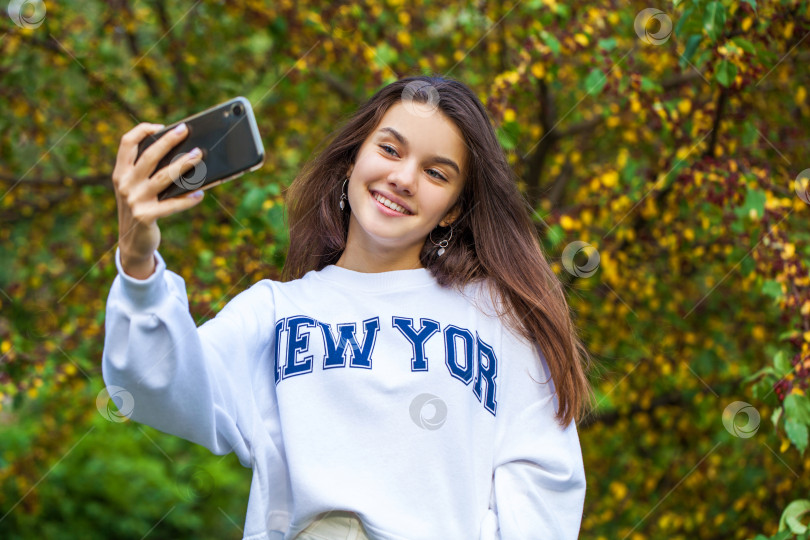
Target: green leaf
714,19
505,140
387,54
607,44
776,415
794,512
749,133
782,364
772,288
797,407
797,433
691,46
766,370
555,234
754,200
595,82
745,45
563,11
682,19
551,41
747,266
648,85
725,73
790,334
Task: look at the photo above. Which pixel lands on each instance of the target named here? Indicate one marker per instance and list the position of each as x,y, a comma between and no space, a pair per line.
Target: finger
174,205
128,149
175,172
152,155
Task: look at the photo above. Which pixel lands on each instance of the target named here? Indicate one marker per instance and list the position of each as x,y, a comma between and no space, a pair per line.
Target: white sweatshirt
379,393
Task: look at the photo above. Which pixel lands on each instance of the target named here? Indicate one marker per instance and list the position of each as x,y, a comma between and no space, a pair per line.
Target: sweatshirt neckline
377,281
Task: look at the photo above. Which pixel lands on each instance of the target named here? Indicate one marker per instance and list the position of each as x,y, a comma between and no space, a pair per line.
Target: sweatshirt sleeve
538,483
195,383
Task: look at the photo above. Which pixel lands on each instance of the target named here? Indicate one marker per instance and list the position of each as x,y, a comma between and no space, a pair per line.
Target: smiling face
406,179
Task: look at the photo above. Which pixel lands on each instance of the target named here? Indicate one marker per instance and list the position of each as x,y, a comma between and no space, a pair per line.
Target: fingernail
196,195
180,128
158,126
194,153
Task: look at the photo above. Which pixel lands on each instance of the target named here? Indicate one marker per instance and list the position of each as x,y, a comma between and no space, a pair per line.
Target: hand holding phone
136,195
154,167
229,139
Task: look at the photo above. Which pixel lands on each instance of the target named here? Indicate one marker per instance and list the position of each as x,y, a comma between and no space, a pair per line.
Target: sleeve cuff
143,293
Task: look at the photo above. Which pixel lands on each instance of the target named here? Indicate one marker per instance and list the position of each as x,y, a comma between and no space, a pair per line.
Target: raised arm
202,384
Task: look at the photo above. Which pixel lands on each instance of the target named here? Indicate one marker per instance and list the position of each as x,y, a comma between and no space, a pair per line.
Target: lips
398,203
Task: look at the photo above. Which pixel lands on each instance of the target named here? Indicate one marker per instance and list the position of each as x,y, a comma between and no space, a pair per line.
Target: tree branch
134,49
177,63
92,79
91,180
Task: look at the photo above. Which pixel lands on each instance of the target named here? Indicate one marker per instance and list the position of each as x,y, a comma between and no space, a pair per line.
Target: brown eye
438,174
386,148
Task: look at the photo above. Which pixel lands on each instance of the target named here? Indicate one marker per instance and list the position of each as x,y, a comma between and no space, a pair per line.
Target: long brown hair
493,237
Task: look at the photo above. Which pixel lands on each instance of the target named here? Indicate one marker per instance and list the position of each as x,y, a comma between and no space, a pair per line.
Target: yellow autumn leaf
610,179
746,23
582,39
566,223
618,489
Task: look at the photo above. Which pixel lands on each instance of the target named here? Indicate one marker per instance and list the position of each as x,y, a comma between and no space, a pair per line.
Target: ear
351,168
451,216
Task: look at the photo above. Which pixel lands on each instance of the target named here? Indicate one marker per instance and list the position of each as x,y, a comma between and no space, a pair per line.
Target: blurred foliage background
670,138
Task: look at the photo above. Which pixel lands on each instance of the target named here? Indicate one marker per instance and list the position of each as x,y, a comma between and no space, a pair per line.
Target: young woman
416,373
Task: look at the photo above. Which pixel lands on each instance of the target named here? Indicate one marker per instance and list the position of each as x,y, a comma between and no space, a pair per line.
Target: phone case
230,142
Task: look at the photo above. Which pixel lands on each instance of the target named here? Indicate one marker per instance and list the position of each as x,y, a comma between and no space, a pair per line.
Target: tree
662,151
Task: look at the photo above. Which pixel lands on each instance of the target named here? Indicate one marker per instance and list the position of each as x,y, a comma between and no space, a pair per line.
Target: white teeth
390,204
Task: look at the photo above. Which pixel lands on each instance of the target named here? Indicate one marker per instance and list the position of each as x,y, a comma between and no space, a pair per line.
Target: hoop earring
343,197
442,244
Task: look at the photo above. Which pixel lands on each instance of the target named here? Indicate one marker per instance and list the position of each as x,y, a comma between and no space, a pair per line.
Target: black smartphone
229,139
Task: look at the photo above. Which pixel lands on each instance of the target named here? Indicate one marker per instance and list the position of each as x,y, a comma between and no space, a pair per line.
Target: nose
404,176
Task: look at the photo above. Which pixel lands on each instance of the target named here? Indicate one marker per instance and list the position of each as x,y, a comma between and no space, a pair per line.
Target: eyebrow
438,159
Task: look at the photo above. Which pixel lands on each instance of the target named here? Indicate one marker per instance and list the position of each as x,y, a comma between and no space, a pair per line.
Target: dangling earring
442,244
343,197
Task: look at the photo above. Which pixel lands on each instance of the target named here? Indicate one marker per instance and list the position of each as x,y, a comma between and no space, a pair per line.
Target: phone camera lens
238,110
